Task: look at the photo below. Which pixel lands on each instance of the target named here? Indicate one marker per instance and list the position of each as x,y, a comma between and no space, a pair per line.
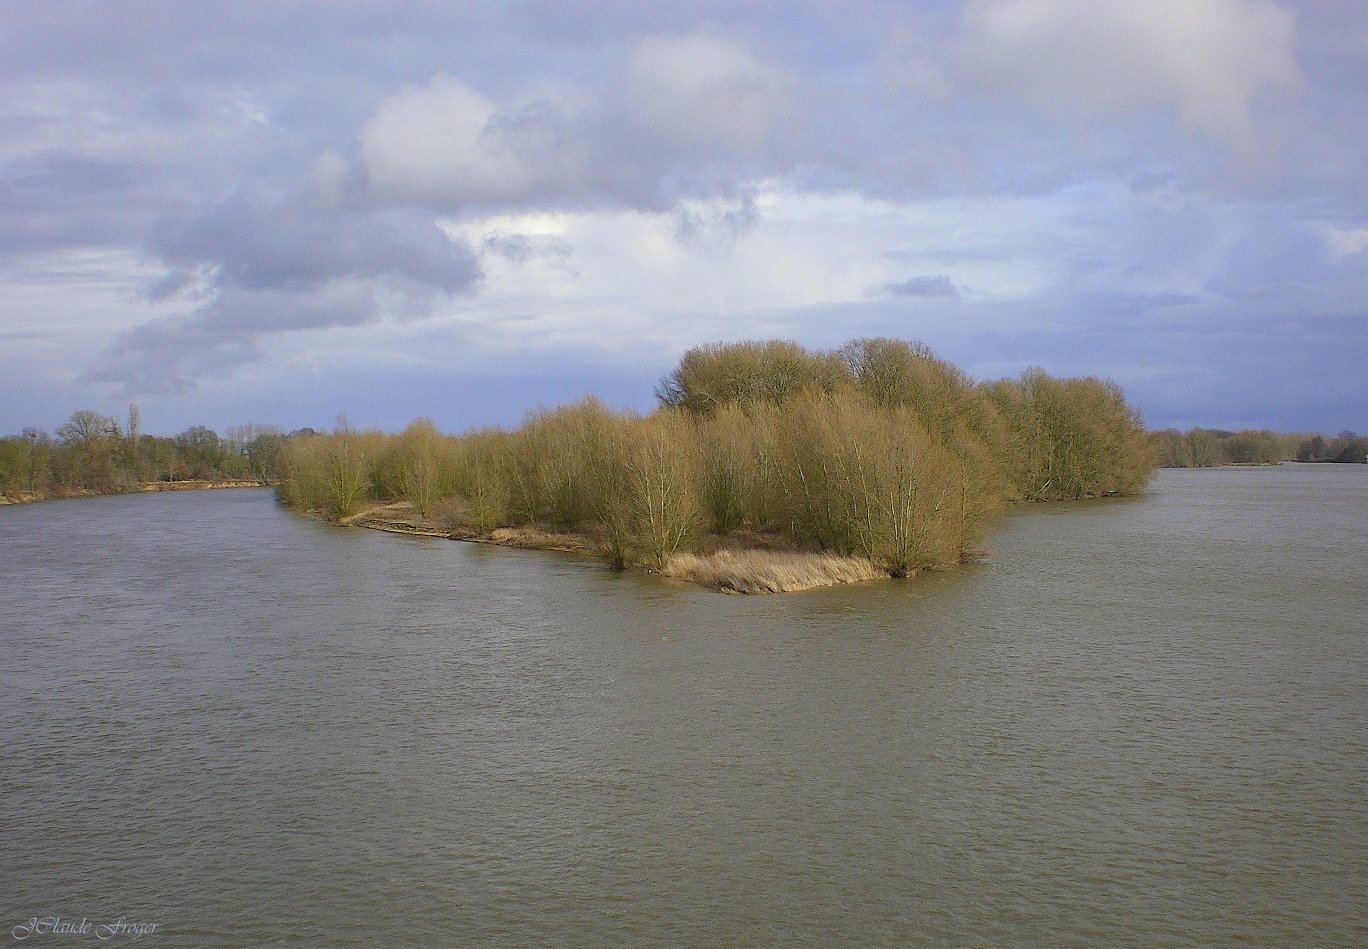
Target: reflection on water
1141,723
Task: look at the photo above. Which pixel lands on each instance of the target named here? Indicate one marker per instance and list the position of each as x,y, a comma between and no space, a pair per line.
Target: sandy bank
196,485
770,571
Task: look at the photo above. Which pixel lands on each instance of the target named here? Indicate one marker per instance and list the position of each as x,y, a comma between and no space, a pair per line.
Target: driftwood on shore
732,567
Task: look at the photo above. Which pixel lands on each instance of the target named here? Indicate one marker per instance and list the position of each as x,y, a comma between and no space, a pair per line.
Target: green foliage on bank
878,449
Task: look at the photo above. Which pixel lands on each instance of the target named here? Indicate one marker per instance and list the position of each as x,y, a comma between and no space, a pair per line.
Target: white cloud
438,141
702,91
637,288
679,114
1082,59
1346,241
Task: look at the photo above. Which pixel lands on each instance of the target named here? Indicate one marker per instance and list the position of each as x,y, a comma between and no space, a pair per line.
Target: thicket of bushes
878,449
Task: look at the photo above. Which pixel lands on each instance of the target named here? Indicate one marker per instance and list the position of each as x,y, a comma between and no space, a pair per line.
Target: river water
1141,723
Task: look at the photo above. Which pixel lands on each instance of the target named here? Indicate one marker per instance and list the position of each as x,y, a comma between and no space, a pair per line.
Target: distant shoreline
146,487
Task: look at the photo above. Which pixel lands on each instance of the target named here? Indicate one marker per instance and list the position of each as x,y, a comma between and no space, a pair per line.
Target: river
1142,722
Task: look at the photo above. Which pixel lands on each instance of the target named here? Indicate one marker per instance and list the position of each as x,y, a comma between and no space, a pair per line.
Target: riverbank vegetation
95,454
1344,448
1209,447
765,466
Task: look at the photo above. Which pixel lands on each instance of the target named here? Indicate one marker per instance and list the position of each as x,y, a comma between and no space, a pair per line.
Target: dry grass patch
537,538
763,571
746,540
378,512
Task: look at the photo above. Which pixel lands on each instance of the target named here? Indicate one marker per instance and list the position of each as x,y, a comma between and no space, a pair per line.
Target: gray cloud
252,243
717,224
174,354
928,285
513,247
526,248
264,268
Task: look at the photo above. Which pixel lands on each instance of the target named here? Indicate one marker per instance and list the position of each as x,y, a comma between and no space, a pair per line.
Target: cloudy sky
278,212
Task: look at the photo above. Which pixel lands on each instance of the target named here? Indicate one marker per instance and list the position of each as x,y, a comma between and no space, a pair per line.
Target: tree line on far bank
878,449
96,453
1209,447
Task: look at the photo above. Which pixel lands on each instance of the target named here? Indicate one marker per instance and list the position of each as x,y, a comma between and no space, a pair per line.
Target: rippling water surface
1143,722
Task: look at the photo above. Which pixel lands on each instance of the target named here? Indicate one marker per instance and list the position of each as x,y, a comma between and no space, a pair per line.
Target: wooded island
766,466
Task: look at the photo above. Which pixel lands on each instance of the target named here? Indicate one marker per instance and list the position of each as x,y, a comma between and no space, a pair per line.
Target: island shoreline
734,565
